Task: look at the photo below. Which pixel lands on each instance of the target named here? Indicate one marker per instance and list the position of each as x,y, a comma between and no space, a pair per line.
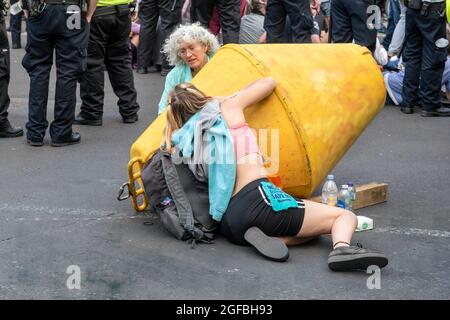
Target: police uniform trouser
16,25
300,17
67,34
108,45
4,73
229,16
424,61
169,12
349,21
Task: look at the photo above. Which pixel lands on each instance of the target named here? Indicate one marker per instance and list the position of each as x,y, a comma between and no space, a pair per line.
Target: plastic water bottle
344,197
15,8
352,192
364,223
330,191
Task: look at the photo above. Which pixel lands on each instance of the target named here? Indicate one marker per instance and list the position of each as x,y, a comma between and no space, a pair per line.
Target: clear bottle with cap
352,192
330,191
344,197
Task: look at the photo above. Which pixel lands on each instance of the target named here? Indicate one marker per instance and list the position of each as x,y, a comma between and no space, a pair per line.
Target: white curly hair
189,33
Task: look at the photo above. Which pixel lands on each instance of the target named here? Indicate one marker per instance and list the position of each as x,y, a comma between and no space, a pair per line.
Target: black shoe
154,69
80,120
440,112
142,70
16,46
11,132
270,247
35,143
407,110
131,119
165,71
74,138
355,258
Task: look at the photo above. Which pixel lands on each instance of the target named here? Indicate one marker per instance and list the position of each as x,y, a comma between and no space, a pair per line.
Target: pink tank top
244,140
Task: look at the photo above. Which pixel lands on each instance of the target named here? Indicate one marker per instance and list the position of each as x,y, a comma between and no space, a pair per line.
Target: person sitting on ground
394,84
256,211
189,48
252,24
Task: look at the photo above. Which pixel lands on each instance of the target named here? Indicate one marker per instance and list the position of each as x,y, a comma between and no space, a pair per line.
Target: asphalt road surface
58,209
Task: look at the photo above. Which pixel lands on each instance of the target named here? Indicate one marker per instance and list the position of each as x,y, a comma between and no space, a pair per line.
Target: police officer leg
230,19
433,61
299,13
93,80
341,27
412,58
201,11
71,53
148,17
275,21
38,62
362,34
169,20
118,64
6,130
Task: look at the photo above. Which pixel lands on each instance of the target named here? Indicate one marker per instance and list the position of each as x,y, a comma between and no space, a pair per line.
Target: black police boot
355,258
440,112
80,120
131,119
74,138
8,131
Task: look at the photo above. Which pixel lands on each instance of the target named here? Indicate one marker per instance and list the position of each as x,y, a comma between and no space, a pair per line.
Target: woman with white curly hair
189,48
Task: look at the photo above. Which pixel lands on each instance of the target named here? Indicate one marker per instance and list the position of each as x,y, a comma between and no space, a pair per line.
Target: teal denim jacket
206,145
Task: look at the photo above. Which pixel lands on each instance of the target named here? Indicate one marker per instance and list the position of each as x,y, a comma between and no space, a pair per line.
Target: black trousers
424,60
349,22
300,17
16,25
108,46
229,16
49,32
4,74
169,12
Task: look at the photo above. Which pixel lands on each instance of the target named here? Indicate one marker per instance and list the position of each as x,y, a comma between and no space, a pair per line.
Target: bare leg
322,219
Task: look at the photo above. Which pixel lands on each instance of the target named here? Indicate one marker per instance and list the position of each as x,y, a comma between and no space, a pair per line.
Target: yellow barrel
325,97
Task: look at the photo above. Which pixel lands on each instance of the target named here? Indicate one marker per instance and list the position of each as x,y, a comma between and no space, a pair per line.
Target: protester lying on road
255,211
189,48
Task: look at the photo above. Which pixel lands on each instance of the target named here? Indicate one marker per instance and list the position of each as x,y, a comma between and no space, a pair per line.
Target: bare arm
91,8
233,107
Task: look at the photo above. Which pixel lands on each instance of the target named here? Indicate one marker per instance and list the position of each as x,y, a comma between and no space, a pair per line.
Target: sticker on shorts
279,199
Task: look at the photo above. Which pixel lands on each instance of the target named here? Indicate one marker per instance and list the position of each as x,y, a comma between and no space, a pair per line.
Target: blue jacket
206,145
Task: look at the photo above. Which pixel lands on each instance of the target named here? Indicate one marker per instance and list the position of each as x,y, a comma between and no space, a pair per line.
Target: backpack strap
184,209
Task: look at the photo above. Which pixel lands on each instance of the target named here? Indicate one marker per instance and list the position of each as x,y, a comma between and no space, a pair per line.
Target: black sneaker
270,247
355,258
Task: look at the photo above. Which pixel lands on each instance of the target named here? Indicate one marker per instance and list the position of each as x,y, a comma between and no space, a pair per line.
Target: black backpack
180,200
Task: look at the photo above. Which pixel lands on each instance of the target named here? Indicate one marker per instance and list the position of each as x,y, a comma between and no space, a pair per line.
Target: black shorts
249,208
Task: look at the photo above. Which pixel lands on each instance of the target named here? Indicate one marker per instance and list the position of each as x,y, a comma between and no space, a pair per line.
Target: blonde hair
189,33
185,100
